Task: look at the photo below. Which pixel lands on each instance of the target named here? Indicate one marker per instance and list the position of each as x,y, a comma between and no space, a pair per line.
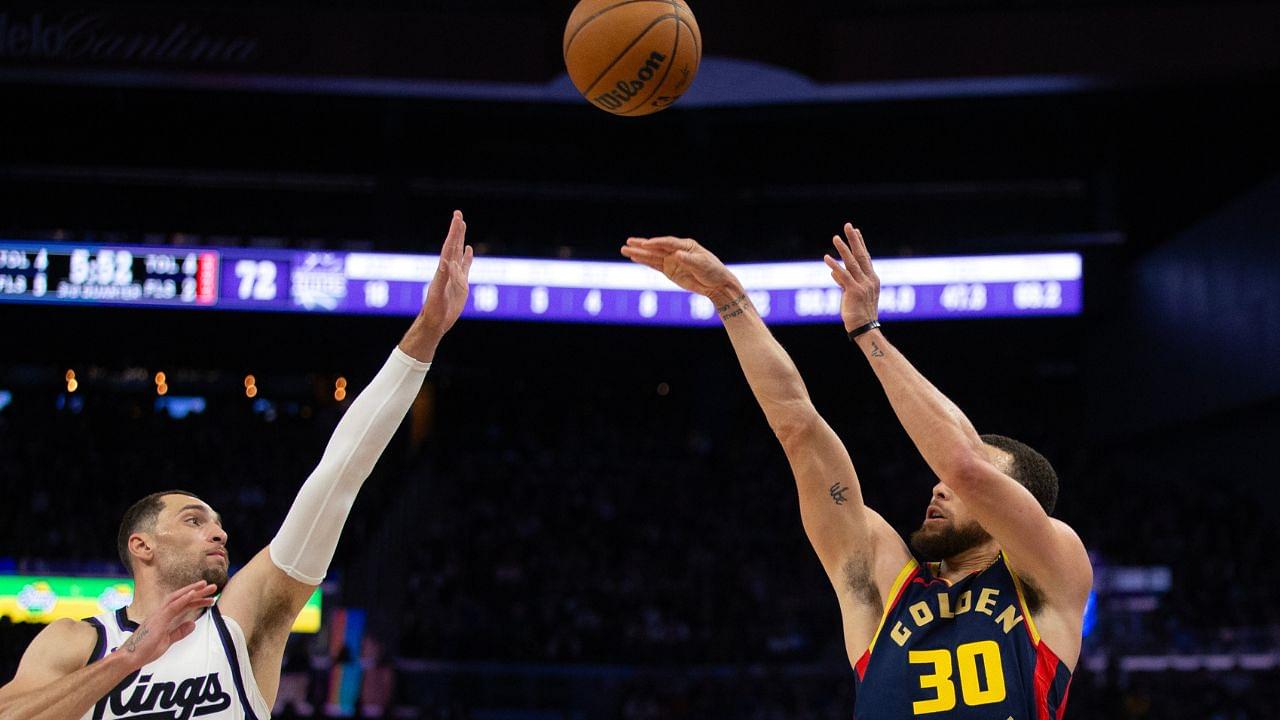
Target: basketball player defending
988,631
176,654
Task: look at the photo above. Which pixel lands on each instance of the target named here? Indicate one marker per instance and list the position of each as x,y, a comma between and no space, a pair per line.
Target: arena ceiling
973,125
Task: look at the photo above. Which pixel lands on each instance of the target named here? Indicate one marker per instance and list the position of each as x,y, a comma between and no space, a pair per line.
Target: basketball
632,57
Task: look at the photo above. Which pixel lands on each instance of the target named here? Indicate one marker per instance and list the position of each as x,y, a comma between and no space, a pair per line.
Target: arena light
179,407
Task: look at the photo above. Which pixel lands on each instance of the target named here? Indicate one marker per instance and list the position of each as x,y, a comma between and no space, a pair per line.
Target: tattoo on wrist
838,493
131,645
733,308
875,349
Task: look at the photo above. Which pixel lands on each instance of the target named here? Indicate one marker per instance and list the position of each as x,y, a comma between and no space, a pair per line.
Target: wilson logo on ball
625,91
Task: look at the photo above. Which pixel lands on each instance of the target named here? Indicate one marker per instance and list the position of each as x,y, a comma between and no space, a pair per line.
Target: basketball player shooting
181,650
990,626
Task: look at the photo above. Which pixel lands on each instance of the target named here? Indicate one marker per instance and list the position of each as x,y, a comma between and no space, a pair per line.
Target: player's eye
194,521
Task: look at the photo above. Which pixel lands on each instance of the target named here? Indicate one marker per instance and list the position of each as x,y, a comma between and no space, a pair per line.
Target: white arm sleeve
305,543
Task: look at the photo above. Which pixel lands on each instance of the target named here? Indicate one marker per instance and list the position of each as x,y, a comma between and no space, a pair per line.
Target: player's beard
184,573
216,576
948,541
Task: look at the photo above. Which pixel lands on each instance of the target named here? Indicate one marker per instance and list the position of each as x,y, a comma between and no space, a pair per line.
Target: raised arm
266,595
1039,547
859,551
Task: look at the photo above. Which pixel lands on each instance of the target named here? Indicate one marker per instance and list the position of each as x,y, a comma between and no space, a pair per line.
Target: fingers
652,244
194,604
192,597
637,251
457,274
182,631
198,598
454,240
838,272
851,264
670,244
181,595
644,257
468,254
859,248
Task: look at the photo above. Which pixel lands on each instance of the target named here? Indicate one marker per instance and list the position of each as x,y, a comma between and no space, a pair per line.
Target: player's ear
141,547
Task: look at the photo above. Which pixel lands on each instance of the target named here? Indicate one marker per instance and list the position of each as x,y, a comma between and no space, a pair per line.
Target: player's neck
975,559
148,596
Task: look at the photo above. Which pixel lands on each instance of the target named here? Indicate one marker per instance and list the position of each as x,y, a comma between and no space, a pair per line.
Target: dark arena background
585,514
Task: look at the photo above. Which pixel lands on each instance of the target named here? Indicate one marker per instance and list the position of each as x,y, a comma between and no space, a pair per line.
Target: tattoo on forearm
131,645
733,308
875,349
838,493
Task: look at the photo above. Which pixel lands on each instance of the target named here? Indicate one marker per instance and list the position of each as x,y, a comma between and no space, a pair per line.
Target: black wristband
854,333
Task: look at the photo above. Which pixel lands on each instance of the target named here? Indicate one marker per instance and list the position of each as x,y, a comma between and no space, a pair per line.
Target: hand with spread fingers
685,262
858,279
172,622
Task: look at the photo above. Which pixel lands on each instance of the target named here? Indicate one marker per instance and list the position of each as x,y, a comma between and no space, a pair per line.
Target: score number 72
971,688
257,279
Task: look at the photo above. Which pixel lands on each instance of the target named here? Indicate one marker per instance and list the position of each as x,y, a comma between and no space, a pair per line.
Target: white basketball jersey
205,675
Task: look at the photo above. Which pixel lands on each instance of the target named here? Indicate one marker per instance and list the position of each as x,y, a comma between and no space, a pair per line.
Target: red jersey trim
905,576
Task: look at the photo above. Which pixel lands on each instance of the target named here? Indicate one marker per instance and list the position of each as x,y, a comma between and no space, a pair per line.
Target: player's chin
215,576
934,527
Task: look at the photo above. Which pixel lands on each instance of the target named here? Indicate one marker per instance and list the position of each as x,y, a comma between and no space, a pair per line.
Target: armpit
859,580
274,616
1031,594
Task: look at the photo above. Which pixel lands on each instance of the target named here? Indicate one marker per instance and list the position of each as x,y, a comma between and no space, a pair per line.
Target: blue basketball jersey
963,651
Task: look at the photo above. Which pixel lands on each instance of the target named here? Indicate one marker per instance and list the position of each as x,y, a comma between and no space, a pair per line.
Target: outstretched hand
684,262
448,289
861,302
167,625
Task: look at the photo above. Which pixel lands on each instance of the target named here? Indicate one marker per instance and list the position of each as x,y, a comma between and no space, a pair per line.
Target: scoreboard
234,278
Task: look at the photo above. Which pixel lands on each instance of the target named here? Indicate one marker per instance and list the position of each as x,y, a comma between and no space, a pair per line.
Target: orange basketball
632,57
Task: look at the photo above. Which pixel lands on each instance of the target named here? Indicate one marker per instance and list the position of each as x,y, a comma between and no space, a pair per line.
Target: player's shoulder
66,642
70,630
1071,572
76,633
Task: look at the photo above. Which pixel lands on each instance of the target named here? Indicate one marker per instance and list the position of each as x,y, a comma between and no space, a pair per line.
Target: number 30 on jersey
974,689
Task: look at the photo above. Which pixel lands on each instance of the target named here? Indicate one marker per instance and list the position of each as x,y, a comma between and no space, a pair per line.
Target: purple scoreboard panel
518,288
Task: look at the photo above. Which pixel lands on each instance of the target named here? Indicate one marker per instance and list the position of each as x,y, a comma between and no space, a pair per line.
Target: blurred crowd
617,526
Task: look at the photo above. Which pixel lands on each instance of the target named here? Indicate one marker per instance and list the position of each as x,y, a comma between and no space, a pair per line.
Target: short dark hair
1029,468
141,517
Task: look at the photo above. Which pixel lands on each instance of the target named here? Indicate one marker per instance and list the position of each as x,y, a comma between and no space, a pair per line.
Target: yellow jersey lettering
900,633
944,606
987,600
921,613
939,681
1009,618
992,677
964,602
